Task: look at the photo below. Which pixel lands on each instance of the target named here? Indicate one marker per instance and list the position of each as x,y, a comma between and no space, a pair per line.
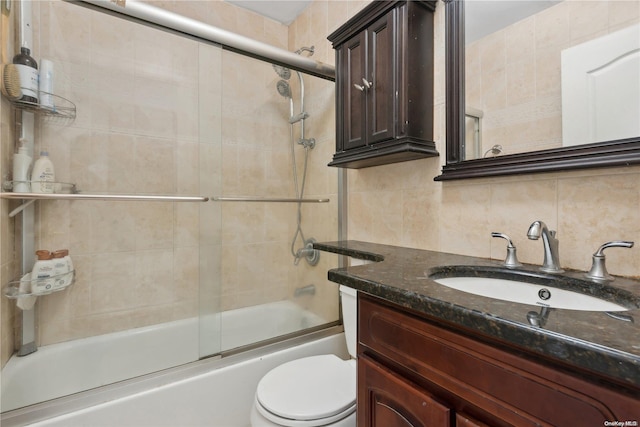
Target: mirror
520,91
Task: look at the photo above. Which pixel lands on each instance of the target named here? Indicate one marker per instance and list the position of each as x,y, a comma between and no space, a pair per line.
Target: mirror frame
623,152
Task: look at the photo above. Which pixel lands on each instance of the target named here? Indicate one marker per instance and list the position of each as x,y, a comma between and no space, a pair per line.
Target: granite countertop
582,340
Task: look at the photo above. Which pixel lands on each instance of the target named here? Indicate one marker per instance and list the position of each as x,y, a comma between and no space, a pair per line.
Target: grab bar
267,200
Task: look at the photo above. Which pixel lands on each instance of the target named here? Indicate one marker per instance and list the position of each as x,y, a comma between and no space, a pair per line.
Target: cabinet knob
357,86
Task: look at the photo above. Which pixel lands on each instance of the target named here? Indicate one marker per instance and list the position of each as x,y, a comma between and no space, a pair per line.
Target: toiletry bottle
45,84
63,268
28,70
21,165
43,270
42,175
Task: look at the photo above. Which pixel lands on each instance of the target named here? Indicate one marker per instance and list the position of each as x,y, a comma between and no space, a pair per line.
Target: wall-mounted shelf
58,187
61,109
52,284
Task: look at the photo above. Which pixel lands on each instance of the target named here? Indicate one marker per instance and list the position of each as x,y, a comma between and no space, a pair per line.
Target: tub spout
305,290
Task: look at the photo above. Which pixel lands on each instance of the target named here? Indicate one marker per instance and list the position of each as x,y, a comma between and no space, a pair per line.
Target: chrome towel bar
267,200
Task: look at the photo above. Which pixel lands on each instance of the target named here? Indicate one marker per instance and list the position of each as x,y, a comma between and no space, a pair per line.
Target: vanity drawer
466,373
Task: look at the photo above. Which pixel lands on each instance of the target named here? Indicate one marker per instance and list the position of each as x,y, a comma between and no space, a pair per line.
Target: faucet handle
598,268
511,261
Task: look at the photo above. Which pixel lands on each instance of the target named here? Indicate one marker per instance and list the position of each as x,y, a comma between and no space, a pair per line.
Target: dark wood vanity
429,355
384,84
415,371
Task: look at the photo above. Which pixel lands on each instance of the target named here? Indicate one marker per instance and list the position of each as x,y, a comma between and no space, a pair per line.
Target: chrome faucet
551,263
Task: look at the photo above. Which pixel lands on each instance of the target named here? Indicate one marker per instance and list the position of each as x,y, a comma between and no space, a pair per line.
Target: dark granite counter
583,341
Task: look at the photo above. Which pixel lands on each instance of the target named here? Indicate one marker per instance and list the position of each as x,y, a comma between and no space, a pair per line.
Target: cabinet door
387,400
381,116
352,70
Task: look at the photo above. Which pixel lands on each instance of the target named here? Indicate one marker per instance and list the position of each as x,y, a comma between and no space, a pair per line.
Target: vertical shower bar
28,321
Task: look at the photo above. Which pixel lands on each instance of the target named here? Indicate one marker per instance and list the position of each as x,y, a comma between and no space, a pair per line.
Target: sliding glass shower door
164,283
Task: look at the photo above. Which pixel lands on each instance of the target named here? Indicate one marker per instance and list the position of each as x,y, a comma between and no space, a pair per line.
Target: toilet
312,391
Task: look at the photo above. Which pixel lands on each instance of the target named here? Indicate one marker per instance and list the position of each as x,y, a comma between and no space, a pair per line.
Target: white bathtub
71,367
208,393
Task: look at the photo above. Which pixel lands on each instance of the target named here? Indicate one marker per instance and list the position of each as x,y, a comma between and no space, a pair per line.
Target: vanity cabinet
415,371
384,84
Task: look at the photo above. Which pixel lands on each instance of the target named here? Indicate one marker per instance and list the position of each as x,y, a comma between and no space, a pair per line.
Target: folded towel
26,302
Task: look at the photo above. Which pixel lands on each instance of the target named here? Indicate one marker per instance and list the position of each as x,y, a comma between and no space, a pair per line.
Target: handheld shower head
283,88
281,71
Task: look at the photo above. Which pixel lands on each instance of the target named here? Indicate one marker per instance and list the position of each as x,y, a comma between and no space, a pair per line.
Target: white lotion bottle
21,165
63,269
43,175
45,85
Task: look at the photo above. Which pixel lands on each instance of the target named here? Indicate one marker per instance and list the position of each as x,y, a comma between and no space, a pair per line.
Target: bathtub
207,393
74,366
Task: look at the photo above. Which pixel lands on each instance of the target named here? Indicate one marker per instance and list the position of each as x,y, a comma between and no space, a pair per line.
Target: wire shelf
45,286
60,109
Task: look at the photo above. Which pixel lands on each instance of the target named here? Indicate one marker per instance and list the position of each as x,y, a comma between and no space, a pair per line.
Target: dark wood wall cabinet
384,84
413,371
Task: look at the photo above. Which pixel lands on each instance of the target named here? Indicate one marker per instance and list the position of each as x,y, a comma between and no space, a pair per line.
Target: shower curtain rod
229,40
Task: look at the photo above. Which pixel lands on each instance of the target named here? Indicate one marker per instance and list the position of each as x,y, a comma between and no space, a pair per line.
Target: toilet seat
312,391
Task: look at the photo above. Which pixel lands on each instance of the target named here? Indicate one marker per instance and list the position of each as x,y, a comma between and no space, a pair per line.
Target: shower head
283,88
281,71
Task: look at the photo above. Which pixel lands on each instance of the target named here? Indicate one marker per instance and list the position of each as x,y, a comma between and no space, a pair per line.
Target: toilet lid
309,388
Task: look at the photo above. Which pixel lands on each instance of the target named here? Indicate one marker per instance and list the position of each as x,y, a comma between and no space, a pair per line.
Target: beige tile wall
513,75
257,263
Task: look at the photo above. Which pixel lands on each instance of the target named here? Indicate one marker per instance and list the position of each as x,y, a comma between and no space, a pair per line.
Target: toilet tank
349,317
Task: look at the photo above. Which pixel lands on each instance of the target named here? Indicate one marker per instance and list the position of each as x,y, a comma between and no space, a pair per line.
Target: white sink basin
528,293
